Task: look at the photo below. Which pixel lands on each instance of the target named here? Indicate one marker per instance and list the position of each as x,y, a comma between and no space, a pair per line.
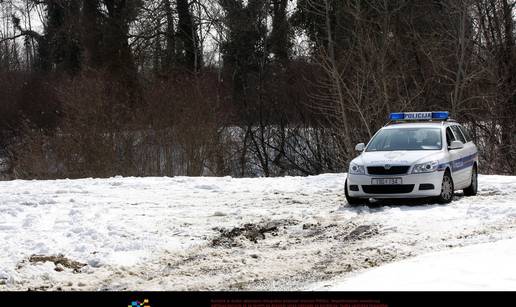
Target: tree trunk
91,34
280,31
170,49
187,36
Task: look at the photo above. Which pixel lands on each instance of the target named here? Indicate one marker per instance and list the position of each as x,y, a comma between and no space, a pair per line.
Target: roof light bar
397,116
441,115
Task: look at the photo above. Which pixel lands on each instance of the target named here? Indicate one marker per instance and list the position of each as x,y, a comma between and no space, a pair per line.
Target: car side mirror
456,145
360,147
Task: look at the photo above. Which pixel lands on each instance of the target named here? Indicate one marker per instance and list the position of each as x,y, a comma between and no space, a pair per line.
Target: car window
458,134
449,136
466,134
406,139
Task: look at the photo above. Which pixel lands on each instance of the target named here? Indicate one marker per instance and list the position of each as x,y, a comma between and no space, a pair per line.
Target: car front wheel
353,201
447,188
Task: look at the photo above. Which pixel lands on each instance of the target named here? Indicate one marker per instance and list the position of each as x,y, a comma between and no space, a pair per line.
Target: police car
416,155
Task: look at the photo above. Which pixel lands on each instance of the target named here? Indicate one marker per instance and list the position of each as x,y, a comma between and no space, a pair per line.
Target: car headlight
356,169
427,167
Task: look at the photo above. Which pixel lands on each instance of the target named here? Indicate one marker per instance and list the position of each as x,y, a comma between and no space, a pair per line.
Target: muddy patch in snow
362,232
60,261
345,232
251,232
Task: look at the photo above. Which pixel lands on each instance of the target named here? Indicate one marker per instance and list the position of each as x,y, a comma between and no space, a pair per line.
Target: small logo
145,303
387,166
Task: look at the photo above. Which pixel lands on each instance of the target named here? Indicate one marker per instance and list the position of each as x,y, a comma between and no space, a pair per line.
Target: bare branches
222,79
23,33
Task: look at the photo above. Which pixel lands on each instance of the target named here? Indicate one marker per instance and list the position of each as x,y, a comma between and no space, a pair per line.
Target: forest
243,88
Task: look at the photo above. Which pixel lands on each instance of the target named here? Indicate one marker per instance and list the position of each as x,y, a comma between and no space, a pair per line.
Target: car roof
437,124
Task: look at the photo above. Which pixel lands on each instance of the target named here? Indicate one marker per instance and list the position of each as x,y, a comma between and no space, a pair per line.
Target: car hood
397,157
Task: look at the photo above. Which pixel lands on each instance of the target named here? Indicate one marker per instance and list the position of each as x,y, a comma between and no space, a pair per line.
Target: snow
159,233
481,267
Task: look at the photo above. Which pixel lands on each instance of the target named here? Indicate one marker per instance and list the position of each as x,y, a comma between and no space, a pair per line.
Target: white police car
418,154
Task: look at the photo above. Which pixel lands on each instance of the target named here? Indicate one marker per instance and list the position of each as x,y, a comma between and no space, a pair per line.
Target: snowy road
224,233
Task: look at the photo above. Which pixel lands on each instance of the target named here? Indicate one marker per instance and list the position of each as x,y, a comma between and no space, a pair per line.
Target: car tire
472,189
447,189
354,201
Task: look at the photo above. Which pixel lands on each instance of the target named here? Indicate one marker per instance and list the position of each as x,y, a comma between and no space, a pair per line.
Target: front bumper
413,186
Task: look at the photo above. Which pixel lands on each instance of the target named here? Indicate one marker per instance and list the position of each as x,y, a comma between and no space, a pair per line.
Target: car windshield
406,139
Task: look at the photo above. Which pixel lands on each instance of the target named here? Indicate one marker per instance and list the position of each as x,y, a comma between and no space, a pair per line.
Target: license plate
386,181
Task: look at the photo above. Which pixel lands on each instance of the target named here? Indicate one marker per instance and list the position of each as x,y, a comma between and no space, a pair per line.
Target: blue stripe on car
459,164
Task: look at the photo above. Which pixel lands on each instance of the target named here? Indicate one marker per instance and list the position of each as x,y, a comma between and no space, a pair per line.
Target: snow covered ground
182,233
481,267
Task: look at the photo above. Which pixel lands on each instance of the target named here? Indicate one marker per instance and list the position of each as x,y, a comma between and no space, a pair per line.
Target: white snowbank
155,233
482,267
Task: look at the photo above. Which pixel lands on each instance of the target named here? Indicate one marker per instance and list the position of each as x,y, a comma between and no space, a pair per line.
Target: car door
454,158
461,166
470,152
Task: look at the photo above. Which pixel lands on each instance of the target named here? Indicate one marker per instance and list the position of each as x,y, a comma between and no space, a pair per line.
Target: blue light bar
397,116
442,115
